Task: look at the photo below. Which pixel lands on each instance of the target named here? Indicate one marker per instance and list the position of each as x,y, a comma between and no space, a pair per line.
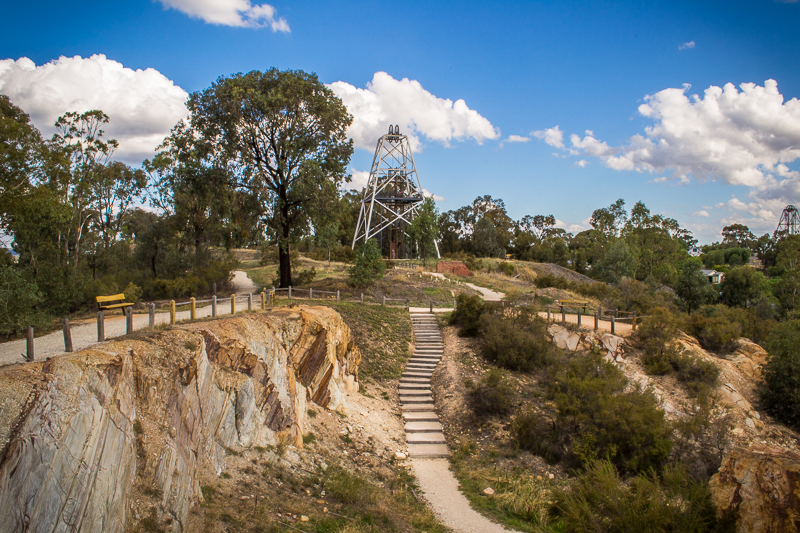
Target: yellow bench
102,301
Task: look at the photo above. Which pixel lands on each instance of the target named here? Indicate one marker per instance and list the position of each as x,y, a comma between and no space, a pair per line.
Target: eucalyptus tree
424,229
284,133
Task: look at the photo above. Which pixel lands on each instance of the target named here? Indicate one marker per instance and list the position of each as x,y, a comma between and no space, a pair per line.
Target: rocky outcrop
611,346
763,484
153,411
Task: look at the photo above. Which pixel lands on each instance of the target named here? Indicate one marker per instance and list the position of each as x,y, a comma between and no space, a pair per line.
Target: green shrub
779,388
133,293
346,486
716,327
507,268
517,341
369,266
598,500
467,314
598,416
304,277
19,299
697,375
493,394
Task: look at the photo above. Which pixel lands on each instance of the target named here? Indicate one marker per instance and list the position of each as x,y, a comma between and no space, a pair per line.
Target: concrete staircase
423,430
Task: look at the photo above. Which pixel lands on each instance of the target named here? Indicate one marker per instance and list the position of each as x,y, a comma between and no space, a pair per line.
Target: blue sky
521,69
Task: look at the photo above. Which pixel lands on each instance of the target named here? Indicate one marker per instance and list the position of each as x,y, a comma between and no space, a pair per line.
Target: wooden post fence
263,300
101,327
548,314
67,334
310,294
290,292
633,322
214,305
362,297
579,318
337,295
563,315
30,355
152,315
233,304
613,325
250,301
597,319
384,300
128,320
172,311
431,305
193,308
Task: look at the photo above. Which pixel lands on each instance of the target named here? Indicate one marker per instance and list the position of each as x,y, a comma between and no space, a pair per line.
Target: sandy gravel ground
84,334
440,489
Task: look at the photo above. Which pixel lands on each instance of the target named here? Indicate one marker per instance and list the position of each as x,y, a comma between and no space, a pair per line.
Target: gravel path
84,333
440,489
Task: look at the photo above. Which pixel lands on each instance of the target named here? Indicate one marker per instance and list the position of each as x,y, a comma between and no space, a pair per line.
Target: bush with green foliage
507,268
662,353
369,266
517,340
304,277
717,327
597,416
467,314
19,302
599,500
493,394
779,388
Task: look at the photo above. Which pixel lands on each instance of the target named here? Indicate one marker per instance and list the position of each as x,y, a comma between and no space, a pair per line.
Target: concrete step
425,407
421,416
425,358
423,427
411,373
415,379
428,450
411,392
425,438
415,400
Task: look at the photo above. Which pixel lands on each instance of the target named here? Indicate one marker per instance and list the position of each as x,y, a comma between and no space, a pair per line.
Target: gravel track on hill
84,333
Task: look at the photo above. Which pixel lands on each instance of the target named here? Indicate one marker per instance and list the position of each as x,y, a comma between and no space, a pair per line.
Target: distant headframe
789,223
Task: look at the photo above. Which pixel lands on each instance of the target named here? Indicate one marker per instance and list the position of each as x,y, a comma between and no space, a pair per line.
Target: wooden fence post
233,304
310,294
214,305
172,311
67,334
214,290
152,317
563,315
250,301
128,320
31,356
633,322
101,327
193,311
579,318
613,326
290,292
337,295
384,300
431,303
263,300
597,319
362,297
548,314
408,303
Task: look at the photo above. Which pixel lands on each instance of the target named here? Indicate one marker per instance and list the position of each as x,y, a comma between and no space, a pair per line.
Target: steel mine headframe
789,224
391,197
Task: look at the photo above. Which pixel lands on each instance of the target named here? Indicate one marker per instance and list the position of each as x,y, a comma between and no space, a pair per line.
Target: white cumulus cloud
686,46
239,13
419,113
702,213
552,136
143,105
517,139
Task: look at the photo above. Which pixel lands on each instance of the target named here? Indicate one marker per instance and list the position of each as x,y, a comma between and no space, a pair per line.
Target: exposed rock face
612,346
155,410
764,483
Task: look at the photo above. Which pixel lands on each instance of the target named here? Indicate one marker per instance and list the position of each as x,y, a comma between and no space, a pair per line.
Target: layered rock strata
154,411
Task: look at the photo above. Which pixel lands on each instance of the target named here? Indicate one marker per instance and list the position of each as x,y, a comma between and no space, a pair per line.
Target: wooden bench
103,301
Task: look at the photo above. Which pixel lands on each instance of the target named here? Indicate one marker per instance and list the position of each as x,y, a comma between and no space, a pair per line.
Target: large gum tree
284,133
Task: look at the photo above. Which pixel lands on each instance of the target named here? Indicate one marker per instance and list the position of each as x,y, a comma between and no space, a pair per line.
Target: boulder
763,484
158,409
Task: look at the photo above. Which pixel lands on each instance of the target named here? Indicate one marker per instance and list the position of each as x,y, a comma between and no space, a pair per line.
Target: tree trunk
284,261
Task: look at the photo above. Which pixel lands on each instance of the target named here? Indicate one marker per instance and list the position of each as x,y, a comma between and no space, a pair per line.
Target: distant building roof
694,251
